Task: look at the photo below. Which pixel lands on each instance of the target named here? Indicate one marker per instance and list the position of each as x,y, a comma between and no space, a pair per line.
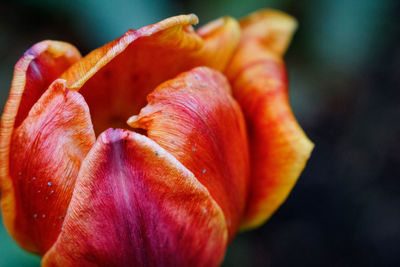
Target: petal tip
132,121
269,14
189,19
218,24
275,28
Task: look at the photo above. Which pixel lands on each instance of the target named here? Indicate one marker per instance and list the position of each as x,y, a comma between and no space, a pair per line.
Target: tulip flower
153,150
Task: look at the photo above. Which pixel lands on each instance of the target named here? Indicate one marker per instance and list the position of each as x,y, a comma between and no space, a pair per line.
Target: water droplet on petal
204,171
34,178
35,215
204,210
49,183
44,215
52,192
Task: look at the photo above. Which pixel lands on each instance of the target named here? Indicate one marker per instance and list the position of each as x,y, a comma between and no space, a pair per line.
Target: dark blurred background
344,70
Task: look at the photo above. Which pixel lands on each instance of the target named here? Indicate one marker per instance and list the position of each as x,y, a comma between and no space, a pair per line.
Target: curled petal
136,205
34,72
116,78
195,118
279,148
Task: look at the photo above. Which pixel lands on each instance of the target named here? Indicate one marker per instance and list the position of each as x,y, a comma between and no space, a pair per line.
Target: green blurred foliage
12,255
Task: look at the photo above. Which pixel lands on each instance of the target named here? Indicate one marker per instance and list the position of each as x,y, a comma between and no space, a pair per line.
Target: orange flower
215,146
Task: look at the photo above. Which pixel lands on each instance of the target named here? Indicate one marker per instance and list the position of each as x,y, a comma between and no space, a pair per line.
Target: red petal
116,78
35,71
195,118
136,205
46,152
39,66
279,148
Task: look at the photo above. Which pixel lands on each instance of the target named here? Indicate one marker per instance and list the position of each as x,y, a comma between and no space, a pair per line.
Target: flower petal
46,151
116,78
220,38
195,118
136,205
279,148
34,72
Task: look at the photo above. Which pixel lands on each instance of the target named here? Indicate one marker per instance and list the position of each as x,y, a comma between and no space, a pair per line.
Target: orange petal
46,152
116,78
279,148
34,72
195,118
136,205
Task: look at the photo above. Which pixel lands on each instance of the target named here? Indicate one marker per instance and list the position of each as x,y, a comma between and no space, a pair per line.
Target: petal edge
279,148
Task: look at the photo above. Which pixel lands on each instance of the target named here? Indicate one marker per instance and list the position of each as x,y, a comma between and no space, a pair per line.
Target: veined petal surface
136,205
195,118
45,156
34,72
